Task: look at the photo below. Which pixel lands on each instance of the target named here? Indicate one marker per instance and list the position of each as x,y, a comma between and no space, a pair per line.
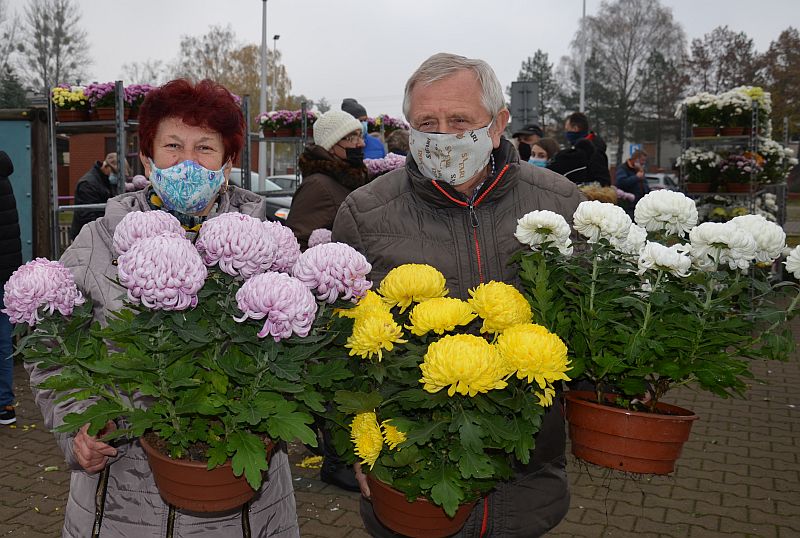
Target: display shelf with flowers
285,123
778,160
741,172
702,113
700,167
643,310
134,97
70,102
388,123
207,359
444,394
102,100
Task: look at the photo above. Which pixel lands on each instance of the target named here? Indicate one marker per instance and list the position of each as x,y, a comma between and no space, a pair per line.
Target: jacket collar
442,194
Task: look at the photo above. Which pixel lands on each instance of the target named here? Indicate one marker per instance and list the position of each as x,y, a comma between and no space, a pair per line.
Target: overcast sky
367,48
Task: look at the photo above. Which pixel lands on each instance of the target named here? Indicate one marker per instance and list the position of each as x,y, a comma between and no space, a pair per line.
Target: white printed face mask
454,158
187,187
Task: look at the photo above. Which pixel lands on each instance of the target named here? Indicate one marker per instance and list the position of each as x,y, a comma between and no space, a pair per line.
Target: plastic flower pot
698,187
191,486
280,132
630,441
71,115
106,113
731,131
737,187
418,519
704,131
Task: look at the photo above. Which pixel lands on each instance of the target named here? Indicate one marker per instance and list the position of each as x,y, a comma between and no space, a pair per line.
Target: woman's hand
91,453
361,478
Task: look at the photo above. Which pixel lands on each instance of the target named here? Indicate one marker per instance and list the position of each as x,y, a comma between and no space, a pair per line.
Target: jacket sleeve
312,207
598,168
625,180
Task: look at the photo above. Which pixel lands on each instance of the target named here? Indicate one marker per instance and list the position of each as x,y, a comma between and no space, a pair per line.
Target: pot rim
587,398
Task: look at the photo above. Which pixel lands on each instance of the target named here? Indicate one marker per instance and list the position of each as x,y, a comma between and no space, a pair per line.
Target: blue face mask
187,187
538,162
575,136
113,178
364,127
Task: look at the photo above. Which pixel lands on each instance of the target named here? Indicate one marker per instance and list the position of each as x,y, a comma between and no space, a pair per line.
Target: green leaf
473,464
446,490
349,402
291,426
249,457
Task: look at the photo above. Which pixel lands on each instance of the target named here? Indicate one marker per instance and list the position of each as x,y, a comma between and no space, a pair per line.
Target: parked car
256,185
662,181
288,182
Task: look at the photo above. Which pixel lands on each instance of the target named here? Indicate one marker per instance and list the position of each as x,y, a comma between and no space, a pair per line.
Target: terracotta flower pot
107,113
704,131
731,131
280,132
737,187
419,519
698,187
72,115
191,486
624,440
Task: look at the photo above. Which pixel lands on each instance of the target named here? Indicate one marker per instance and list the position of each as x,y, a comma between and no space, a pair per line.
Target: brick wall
84,150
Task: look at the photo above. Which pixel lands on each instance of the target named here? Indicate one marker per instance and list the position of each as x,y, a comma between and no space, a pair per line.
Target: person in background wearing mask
332,167
373,148
542,151
96,187
526,138
189,135
585,159
460,215
630,177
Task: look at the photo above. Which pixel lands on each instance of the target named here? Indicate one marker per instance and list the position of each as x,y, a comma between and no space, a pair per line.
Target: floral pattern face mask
455,158
186,187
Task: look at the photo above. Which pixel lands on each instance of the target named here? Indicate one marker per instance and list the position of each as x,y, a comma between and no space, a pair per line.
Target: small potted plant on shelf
70,102
134,97
702,114
208,359
740,172
643,311
701,169
777,161
443,395
102,100
278,123
735,112
311,117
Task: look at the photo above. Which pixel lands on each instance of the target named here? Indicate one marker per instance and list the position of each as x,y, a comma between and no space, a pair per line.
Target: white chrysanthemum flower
671,211
722,243
793,262
596,220
770,238
634,242
657,256
538,227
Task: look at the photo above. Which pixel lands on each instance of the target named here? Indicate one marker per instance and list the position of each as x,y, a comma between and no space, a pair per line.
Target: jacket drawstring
246,520
100,501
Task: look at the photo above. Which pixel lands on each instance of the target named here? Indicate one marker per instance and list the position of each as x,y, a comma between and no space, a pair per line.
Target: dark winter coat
403,217
327,180
10,244
584,162
93,188
627,180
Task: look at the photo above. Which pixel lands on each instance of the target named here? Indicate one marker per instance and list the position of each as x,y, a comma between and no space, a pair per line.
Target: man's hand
92,454
640,173
361,478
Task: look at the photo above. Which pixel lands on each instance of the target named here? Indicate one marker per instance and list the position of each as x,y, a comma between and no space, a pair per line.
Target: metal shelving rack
119,126
750,141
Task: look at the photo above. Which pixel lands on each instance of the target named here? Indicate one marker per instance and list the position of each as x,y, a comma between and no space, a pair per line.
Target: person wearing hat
332,167
96,187
373,148
526,137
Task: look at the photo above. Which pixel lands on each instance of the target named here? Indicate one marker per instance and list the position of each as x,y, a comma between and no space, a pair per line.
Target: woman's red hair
206,104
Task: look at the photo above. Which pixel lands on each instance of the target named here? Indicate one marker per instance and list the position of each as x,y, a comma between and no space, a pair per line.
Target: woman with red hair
190,135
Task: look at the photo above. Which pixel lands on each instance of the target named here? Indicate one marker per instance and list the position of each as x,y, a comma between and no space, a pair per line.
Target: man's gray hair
443,65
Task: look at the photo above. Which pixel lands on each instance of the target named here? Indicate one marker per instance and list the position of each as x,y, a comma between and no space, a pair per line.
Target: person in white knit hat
332,167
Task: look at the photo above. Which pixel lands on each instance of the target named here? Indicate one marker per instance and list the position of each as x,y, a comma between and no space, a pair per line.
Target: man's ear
498,127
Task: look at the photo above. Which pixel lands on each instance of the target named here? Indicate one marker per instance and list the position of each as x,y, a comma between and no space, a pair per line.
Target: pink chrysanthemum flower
40,283
334,270
288,306
163,272
288,248
237,243
140,224
320,236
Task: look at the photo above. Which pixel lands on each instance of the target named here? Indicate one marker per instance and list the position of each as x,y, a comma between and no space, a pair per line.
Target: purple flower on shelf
320,236
135,93
139,225
163,272
334,270
238,243
40,284
288,306
100,94
288,249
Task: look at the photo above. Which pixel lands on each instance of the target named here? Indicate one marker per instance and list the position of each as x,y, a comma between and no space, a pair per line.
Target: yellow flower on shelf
534,353
374,332
412,282
370,301
440,315
367,438
391,434
500,305
465,363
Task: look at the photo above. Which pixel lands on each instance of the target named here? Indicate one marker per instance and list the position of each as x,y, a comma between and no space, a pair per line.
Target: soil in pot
418,519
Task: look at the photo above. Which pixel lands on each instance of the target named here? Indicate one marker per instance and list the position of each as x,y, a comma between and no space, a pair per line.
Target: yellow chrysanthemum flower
369,301
534,354
391,434
467,364
412,282
500,305
440,315
546,396
373,333
367,438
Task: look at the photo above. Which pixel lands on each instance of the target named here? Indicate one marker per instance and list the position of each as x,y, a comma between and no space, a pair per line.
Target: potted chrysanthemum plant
209,357
643,311
444,395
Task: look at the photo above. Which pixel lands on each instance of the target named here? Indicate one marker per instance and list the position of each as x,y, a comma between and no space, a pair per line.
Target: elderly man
459,215
95,187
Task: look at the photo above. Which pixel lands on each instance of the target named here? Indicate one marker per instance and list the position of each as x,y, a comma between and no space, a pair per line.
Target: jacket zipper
473,217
